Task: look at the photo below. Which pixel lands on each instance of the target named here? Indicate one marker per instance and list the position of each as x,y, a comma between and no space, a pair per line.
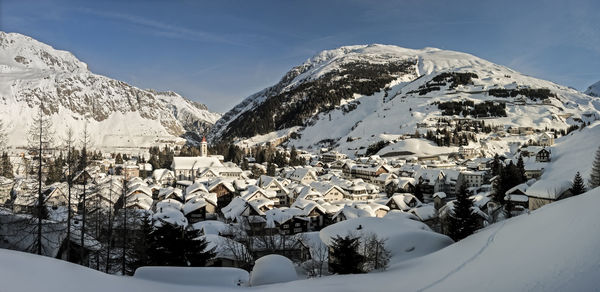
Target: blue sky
218,52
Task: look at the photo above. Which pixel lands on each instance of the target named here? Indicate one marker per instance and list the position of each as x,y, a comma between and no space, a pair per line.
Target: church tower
204,147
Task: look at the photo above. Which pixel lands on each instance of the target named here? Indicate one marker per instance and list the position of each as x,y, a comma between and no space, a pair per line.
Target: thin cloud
165,29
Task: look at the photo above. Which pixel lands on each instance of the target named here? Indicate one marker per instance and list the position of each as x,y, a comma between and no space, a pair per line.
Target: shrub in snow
272,269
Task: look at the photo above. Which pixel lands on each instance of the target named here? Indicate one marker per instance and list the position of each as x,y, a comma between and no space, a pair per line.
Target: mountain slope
594,89
552,249
119,115
352,97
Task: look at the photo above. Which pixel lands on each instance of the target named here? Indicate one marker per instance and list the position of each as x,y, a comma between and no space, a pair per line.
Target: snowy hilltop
594,89
352,97
118,114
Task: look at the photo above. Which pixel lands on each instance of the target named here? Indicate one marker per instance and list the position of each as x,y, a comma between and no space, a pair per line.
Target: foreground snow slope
554,248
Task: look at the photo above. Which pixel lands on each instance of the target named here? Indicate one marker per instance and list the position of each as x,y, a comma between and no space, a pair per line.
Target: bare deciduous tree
69,141
3,138
377,257
319,253
39,139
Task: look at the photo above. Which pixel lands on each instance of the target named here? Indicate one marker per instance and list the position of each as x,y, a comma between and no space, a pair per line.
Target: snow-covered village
362,168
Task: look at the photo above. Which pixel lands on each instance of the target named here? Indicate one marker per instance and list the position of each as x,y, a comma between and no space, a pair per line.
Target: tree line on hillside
293,107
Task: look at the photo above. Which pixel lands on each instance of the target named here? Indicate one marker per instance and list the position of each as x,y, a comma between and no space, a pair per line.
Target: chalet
543,155
313,212
426,214
287,221
303,175
379,209
540,196
200,208
130,171
403,202
55,195
369,172
546,139
351,212
83,177
224,191
384,179
439,200
141,189
329,192
406,185
518,195
139,201
170,193
240,208
272,184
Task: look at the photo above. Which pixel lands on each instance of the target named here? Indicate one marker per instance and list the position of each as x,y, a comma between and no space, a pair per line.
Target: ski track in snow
469,260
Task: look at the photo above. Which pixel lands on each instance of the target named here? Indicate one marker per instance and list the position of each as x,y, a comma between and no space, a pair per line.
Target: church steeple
204,147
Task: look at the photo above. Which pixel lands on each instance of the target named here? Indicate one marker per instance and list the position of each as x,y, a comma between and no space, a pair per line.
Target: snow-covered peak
118,114
358,94
594,89
18,51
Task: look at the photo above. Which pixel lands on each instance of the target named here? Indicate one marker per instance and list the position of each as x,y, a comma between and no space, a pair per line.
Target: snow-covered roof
188,163
404,201
193,205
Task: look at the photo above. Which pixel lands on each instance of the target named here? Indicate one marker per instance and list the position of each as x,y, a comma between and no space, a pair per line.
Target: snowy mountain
352,97
118,114
555,248
594,89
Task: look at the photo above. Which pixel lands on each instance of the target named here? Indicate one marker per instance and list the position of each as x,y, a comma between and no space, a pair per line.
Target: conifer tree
271,169
577,187
175,246
463,222
6,166
344,255
140,252
521,170
594,180
119,159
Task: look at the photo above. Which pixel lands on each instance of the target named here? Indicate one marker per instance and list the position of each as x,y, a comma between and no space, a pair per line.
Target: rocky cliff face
34,74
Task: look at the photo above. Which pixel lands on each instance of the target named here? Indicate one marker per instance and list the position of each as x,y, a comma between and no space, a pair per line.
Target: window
297,225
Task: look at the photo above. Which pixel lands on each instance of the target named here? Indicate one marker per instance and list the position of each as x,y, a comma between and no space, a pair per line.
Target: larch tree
3,138
82,165
39,139
69,141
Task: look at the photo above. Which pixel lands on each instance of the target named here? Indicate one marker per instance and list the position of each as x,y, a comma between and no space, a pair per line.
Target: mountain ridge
431,77
32,73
